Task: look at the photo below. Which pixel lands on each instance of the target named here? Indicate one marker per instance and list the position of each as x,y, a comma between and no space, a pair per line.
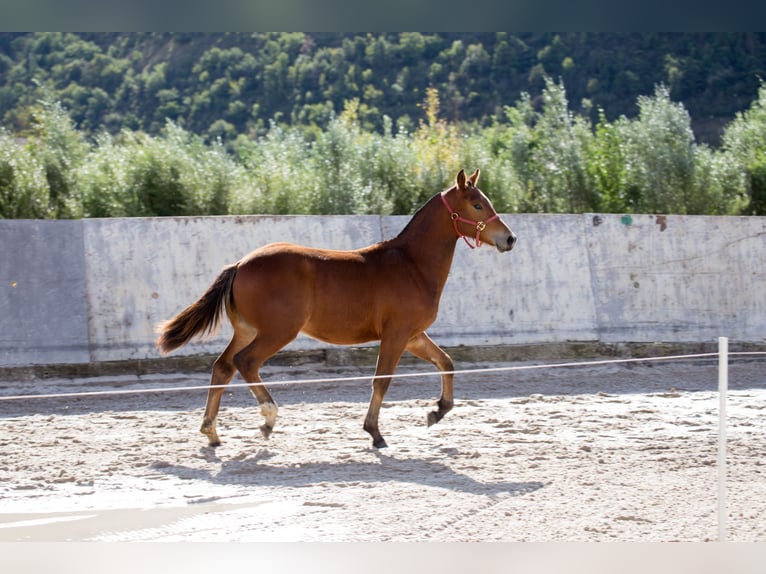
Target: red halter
480,225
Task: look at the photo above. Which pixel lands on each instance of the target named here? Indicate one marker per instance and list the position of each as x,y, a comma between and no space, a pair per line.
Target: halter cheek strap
480,225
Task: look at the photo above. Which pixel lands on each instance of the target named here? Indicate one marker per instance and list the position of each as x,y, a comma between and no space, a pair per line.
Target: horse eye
477,207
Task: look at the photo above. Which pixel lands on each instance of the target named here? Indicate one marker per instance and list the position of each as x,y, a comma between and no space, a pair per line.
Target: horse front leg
424,348
388,358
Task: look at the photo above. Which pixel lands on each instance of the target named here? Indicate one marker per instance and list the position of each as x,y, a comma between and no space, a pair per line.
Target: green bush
757,180
538,156
660,154
173,174
59,148
744,145
23,187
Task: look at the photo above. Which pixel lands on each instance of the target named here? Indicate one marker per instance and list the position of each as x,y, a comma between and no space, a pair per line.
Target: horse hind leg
223,371
269,408
248,362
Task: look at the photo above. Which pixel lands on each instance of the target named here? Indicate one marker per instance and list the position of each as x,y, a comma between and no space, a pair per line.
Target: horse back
343,297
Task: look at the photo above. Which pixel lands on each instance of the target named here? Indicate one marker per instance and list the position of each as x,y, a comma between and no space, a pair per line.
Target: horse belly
362,316
342,321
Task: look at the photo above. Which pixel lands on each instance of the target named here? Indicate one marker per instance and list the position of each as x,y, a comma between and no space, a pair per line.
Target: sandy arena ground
598,453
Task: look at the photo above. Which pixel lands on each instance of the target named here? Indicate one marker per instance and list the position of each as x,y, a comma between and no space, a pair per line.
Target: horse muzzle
506,243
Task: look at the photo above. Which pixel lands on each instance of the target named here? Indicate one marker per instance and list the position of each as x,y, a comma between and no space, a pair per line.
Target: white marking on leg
269,412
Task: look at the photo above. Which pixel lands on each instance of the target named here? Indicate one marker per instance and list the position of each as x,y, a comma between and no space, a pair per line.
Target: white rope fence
326,380
723,356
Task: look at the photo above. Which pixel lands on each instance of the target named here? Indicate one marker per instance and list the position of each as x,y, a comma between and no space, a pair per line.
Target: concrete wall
43,299
93,290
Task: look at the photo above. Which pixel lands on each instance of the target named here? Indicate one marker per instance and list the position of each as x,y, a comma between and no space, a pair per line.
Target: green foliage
23,188
37,173
757,179
744,143
605,161
138,80
556,156
659,155
539,156
128,124
173,174
59,147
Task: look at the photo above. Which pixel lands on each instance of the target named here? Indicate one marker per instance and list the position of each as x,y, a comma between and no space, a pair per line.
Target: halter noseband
480,225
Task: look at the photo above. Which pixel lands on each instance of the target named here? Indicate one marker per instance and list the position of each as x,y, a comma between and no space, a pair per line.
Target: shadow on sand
256,471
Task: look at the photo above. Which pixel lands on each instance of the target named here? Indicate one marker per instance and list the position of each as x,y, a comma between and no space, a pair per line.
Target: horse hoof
380,443
266,431
433,418
214,443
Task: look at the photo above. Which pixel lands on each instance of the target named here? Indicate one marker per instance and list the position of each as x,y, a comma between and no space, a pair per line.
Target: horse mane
415,217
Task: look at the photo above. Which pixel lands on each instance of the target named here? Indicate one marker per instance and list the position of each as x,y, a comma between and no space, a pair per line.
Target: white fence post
723,383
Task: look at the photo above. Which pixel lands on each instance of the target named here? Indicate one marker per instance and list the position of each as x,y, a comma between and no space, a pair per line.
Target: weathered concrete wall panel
43,316
678,278
94,290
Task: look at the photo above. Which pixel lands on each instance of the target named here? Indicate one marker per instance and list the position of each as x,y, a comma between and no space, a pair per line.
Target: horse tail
202,316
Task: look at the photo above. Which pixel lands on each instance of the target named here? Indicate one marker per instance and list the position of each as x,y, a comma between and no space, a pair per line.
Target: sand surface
597,453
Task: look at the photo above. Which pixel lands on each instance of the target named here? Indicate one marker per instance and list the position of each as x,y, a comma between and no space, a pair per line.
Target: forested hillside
222,85
104,125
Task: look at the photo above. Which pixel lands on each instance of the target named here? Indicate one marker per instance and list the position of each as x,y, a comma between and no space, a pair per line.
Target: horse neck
430,240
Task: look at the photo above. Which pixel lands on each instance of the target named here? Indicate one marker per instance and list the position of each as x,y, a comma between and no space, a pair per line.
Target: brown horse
388,292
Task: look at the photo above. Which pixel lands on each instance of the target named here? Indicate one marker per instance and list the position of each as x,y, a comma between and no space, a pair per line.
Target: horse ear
460,179
474,177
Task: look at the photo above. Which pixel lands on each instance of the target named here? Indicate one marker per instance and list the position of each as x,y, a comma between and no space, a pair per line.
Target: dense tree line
223,85
536,156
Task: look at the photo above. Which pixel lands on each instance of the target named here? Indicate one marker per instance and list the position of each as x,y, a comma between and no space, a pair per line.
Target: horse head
474,216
